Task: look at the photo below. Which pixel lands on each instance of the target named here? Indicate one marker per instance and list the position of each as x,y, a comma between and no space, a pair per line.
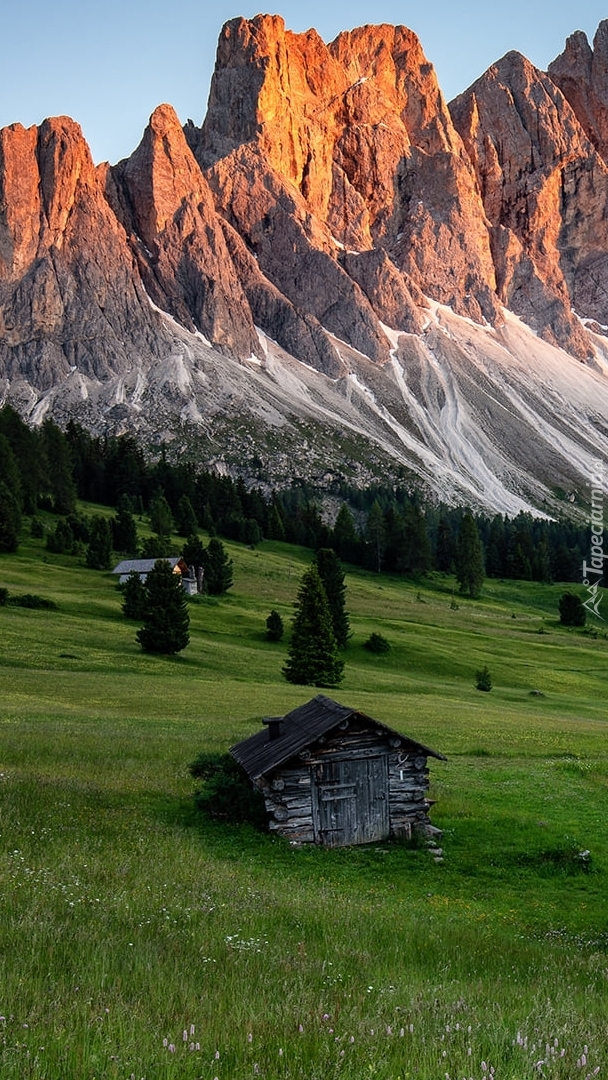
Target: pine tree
345,538
469,557
444,547
134,597
25,444
415,554
9,470
217,567
375,534
276,528
185,518
99,551
193,551
166,615
61,539
274,626
571,610
10,519
161,518
59,478
332,577
313,653
124,528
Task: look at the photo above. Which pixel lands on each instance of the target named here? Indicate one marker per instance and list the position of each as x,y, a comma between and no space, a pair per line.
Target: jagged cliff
324,275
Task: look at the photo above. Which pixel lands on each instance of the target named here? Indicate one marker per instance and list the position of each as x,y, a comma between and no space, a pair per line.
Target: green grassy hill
127,919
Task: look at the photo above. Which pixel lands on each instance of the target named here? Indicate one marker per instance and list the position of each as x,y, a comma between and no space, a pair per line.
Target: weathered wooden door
350,800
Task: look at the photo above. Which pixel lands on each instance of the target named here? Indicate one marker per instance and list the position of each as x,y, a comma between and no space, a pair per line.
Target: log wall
288,793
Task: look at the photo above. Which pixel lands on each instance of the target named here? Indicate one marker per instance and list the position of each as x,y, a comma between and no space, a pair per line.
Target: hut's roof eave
260,753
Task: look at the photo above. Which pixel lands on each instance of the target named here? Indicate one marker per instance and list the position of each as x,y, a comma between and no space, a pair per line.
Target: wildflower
165,1042
389,1030
192,1029
301,1029
249,1037
217,1055
185,1035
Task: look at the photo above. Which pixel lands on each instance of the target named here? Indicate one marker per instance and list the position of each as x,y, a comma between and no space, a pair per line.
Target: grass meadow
140,939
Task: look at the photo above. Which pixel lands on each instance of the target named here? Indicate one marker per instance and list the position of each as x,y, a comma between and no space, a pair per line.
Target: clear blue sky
108,65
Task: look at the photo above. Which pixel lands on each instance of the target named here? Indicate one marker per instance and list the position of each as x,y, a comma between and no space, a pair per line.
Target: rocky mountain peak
534,165
581,72
334,248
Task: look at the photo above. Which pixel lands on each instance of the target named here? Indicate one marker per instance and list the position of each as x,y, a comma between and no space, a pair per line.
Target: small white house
144,566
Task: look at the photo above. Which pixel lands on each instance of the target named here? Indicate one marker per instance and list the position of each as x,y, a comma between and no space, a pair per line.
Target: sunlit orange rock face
329,193
67,285
346,148
581,72
545,190
167,209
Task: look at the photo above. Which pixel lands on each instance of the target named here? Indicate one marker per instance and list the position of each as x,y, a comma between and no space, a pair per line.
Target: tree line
382,527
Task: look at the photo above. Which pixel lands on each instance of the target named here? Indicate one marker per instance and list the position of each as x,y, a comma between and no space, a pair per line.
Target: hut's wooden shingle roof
262,752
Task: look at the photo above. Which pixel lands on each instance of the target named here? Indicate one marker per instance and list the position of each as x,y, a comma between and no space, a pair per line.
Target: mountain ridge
335,272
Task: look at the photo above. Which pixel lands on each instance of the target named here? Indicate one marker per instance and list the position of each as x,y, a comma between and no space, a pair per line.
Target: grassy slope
124,918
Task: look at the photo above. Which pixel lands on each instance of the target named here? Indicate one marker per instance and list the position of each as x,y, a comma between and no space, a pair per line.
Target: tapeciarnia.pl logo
593,571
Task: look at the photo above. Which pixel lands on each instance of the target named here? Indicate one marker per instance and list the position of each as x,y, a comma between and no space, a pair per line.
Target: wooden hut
332,775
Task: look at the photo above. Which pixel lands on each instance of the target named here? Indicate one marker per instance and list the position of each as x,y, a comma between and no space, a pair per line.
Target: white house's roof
140,566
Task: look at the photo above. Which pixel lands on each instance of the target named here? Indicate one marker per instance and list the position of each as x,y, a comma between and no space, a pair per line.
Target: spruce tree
571,610
332,577
99,551
444,547
10,519
9,470
166,616
193,551
217,567
274,626
124,528
161,518
134,597
313,653
185,518
345,538
375,535
469,557
59,473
